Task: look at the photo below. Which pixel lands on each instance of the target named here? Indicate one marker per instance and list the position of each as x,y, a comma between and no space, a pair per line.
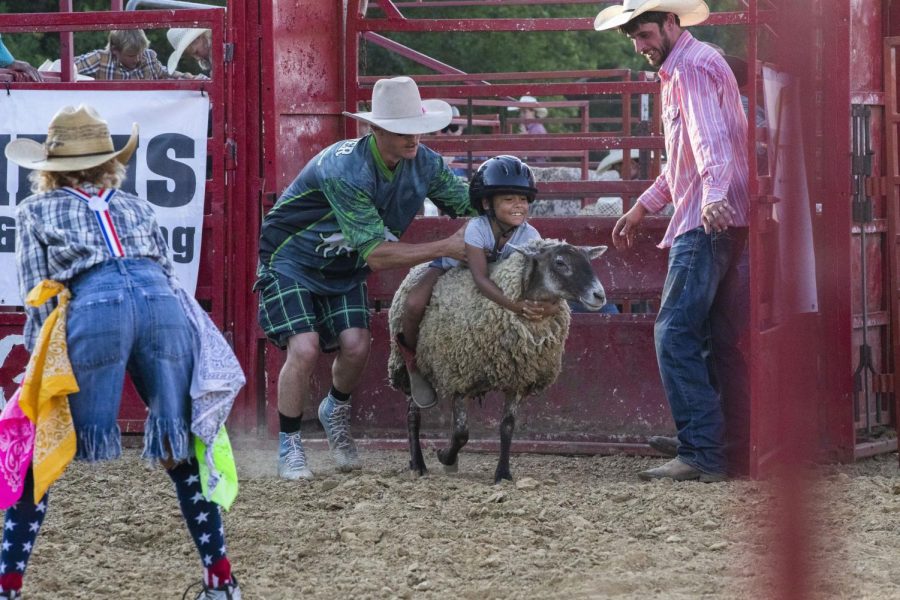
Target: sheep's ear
594,251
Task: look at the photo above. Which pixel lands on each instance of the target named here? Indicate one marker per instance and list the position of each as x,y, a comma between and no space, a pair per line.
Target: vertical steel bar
66,47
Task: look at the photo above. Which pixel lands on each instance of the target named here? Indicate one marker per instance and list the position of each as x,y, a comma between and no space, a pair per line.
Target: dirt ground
570,527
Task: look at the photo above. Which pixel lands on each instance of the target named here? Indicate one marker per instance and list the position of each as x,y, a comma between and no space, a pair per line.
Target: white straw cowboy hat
180,38
690,12
397,107
77,139
540,111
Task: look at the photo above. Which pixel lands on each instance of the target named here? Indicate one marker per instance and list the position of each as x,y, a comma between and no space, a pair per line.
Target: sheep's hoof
499,476
442,456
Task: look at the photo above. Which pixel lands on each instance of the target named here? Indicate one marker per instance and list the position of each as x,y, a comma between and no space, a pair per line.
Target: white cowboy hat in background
614,158
540,111
397,107
77,139
180,38
690,12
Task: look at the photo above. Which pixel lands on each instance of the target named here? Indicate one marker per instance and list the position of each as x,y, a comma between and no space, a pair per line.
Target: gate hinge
876,186
229,52
230,155
883,383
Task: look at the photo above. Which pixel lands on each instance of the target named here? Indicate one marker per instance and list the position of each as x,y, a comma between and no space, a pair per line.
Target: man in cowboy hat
704,308
339,220
196,43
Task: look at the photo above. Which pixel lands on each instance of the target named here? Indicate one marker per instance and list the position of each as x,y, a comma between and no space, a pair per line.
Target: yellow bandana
48,382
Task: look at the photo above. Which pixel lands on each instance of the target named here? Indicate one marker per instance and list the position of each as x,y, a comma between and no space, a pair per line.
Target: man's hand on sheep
456,245
623,232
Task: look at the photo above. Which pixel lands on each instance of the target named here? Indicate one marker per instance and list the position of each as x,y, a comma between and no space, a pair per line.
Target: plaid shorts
286,308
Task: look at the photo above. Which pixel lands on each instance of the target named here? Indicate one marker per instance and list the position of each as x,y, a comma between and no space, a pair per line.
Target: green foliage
495,52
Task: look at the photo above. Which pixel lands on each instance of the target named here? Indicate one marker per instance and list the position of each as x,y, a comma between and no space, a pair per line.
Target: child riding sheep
501,191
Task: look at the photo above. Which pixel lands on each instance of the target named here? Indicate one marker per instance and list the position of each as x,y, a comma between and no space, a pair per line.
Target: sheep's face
564,271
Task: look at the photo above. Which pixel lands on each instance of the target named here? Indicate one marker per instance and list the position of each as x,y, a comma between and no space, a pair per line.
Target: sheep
469,345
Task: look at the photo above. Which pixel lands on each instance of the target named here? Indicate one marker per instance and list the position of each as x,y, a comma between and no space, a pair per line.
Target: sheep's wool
469,345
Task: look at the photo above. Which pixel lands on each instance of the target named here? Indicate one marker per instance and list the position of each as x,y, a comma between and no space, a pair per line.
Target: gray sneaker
229,591
292,457
335,418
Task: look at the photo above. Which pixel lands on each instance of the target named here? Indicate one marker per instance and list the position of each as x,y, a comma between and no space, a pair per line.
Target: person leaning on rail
127,56
23,70
194,43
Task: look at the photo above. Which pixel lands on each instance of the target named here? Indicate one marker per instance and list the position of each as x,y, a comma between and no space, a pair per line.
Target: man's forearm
397,255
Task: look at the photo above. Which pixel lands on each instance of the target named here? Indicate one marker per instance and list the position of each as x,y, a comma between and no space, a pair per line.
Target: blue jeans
125,316
701,323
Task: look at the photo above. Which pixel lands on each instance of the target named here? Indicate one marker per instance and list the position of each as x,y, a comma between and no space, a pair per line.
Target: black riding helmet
502,174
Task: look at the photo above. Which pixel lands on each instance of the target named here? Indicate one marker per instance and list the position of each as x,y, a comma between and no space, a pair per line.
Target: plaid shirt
58,237
101,64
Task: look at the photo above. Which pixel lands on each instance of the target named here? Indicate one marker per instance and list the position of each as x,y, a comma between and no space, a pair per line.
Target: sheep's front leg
413,421
507,426
458,438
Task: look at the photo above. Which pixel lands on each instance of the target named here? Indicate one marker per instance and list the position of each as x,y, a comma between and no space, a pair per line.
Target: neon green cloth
225,486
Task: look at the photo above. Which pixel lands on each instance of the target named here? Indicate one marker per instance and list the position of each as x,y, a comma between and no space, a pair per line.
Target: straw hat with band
77,139
690,12
397,107
540,111
180,38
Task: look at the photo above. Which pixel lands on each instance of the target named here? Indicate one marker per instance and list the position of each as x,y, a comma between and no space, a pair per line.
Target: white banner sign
168,169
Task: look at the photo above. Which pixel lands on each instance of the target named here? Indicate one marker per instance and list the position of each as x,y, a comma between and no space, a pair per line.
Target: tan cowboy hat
397,107
77,139
690,12
540,111
180,38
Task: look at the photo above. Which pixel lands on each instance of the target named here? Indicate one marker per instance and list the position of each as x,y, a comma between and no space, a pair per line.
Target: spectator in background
23,70
195,43
530,123
127,56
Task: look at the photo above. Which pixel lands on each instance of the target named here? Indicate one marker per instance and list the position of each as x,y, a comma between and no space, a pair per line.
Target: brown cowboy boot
665,445
678,470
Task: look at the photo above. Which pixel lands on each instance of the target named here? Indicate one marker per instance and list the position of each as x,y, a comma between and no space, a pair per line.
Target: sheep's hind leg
449,456
507,426
413,421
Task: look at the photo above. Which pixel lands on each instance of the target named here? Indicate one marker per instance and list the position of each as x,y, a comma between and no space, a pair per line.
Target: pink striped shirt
706,138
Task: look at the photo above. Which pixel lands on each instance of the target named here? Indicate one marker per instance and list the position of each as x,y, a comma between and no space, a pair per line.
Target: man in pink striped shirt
705,303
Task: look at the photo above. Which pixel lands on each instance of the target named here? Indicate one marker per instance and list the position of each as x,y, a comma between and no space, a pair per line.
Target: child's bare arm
478,266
